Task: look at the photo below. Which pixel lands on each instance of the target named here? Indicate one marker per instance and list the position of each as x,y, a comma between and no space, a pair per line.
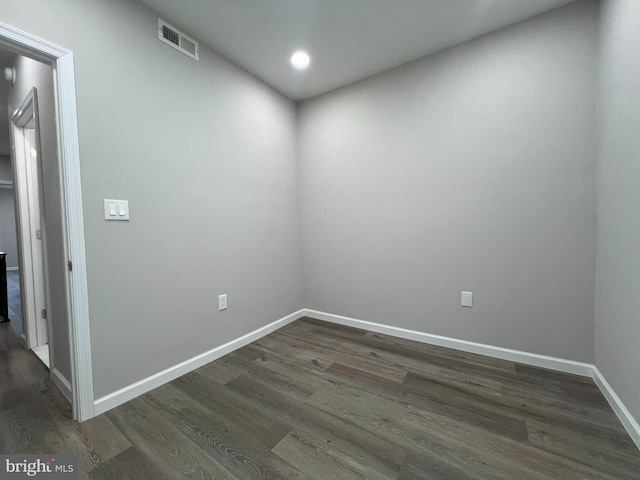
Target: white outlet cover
466,299
222,302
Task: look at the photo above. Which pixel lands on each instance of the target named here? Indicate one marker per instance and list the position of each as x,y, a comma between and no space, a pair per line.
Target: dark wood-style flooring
320,401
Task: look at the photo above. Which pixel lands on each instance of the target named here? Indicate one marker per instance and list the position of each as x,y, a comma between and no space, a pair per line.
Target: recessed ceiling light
300,59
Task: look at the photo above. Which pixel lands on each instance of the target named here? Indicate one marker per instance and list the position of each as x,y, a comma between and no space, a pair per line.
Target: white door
30,220
36,227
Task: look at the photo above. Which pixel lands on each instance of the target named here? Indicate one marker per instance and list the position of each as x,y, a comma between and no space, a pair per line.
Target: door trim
61,60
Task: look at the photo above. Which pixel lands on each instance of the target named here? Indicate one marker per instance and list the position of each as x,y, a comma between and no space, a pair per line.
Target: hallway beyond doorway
15,304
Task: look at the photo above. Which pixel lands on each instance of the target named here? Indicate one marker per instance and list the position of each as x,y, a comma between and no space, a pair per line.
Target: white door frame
61,60
29,220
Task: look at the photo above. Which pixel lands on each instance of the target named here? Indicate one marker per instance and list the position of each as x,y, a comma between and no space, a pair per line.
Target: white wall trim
62,383
61,60
534,359
78,296
628,422
132,391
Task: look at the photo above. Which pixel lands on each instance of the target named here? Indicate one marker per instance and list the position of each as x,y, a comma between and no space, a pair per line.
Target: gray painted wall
6,60
6,173
32,74
8,241
206,155
472,169
617,326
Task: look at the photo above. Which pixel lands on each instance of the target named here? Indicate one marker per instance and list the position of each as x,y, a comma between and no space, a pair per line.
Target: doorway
68,225
25,139
9,247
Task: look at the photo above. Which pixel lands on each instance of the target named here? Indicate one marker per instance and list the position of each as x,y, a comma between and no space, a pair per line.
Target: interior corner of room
505,166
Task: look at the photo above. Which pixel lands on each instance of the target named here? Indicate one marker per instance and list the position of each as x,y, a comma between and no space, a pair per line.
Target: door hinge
70,265
44,313
39,234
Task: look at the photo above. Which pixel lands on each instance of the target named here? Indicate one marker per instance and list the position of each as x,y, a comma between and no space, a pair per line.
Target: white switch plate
467,299
116,210
222,302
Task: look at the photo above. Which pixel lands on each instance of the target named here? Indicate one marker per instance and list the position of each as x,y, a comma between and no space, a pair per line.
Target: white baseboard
62,383
630,424
12,269
134,390
534,359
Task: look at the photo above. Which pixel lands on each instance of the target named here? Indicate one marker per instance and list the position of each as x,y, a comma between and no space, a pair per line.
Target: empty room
290,239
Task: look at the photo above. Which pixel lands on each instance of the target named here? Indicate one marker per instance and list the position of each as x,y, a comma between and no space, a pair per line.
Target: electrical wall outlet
467,299
222,302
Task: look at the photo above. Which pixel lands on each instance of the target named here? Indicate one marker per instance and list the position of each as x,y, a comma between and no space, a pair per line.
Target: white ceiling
348,40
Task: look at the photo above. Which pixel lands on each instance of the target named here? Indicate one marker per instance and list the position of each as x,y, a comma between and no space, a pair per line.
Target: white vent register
178,40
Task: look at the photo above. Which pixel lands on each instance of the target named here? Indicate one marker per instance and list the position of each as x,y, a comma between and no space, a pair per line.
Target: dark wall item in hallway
4,303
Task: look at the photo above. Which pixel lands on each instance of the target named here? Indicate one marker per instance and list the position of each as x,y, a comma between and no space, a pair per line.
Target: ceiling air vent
178,40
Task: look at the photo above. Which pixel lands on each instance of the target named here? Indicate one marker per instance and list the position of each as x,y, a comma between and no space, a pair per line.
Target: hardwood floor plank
532,461
584,448
17,434
431,466
218,373
418,369
367,361
551,375
307,372
412,348
331,329
571,415
26,393
8,338
313,424
461,363
18,369
273,344
316,461
95,441
442,400
413,427
315,361
296,389
171,451
129,465
310,341
29,428
331,444
395,424
239,412
240,449
570,386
